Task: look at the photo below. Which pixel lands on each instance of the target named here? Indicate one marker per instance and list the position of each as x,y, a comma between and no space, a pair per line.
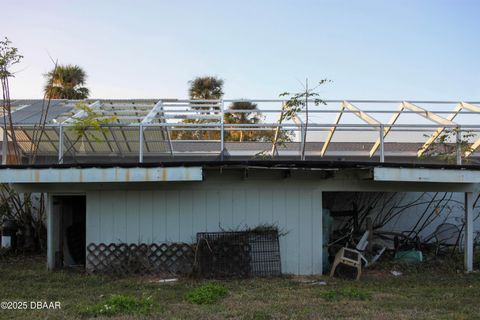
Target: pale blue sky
144,49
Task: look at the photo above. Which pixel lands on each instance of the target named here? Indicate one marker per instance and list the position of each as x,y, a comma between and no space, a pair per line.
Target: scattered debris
377,256
168,280
315,282
409,256
347,263
396,273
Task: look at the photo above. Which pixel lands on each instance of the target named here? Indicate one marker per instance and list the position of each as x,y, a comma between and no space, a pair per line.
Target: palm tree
243,117
66,82
206,88
202,88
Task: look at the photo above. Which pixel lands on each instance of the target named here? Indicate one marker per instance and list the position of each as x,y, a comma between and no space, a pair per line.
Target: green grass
347,293
208,293
120,305
435,291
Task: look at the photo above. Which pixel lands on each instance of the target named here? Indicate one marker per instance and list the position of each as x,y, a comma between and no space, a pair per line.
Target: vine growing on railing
447,144
87,126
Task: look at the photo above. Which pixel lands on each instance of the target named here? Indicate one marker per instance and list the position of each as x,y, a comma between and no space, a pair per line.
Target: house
130,183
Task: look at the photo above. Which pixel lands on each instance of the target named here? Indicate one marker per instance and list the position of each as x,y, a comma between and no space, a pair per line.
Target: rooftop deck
158,130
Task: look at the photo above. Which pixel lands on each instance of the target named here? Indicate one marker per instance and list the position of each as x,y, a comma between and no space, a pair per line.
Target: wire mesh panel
238,254
265,253
223,254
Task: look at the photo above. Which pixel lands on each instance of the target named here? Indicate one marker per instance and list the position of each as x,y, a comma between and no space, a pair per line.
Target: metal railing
206,121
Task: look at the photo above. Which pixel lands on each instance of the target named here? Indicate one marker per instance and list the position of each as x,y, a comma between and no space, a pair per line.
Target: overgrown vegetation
206,294
448,143
26,209
436,291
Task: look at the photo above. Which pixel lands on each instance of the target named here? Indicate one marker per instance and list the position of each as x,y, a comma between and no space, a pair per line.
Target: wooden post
5,147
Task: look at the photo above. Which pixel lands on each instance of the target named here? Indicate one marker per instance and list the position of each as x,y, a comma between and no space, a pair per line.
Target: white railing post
140,140
382,144
458,148
222,131
60,144
302,143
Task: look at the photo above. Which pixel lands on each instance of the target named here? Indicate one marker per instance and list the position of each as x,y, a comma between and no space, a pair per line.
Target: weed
121,304
206,294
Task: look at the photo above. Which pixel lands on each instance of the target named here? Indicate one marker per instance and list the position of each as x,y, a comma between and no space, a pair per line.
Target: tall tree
206,88
66,82
16,206
251,117
202,88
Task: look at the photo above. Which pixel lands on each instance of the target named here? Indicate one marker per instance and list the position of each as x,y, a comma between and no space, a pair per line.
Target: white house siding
176,212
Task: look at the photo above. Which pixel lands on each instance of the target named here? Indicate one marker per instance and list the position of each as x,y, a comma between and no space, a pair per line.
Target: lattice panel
125,259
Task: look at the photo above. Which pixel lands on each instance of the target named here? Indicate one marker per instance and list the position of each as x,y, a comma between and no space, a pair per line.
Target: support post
302,143
382,144
458,149
50,234
468,231
60,144
222,131
140,141
5,147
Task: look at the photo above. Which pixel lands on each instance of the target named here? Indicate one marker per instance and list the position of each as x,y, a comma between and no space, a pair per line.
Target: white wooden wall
177,213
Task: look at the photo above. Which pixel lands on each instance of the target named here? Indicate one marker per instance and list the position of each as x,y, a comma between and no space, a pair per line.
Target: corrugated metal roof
30,111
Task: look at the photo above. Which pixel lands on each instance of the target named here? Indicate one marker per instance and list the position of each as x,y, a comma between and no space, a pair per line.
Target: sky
408,50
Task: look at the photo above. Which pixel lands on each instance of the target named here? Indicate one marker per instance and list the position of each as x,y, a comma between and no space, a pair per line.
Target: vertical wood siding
178,213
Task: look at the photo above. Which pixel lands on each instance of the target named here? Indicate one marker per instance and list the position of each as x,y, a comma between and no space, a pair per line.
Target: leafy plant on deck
299,102
86,126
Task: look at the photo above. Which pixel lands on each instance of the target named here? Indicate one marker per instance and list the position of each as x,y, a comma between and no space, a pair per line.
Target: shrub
346,293
121,304
206,294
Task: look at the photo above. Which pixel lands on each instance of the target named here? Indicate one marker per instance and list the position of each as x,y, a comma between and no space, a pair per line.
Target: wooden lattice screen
124,259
